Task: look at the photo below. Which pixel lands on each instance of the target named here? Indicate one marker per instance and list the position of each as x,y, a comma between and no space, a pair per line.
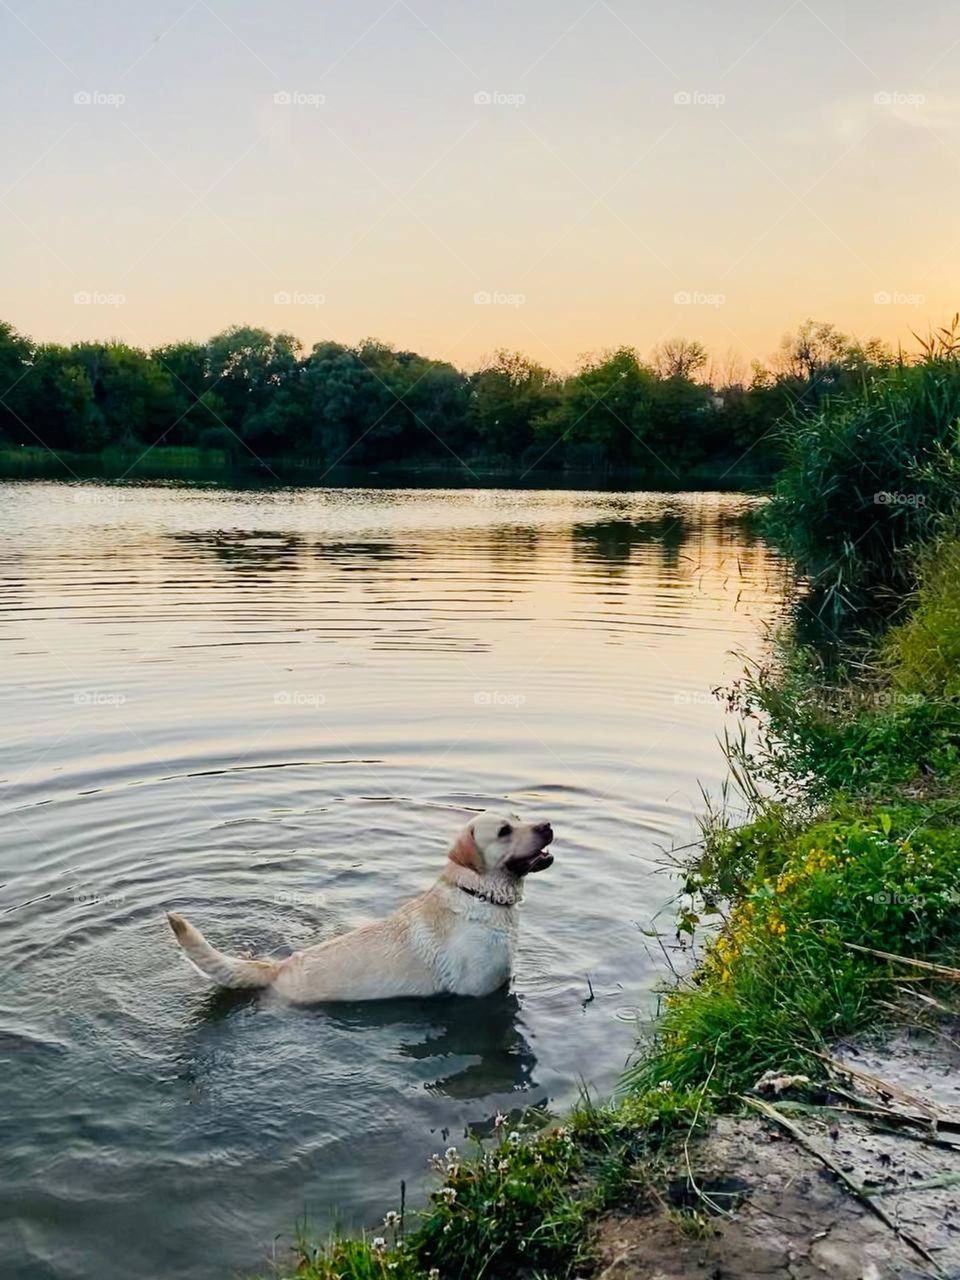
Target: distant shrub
219,437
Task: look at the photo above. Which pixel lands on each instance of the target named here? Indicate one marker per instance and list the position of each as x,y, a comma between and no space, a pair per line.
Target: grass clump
924,650
523,1205
509,1210
821,732
862,485
778,980
860,846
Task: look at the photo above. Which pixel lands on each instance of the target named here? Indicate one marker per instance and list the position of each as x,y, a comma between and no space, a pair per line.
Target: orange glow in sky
555,177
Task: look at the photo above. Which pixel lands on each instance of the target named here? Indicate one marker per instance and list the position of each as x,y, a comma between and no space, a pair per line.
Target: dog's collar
485,897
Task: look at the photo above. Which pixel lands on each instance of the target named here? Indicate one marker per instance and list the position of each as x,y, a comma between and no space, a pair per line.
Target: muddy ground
754,1202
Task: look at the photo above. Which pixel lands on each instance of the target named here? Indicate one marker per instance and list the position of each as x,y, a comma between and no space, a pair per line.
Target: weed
523,1205
778,981
923,652
860,487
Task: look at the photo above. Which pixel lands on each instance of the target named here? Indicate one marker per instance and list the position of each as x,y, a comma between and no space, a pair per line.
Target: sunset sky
638,171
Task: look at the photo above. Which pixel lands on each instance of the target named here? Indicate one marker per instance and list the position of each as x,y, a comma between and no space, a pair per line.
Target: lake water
271,710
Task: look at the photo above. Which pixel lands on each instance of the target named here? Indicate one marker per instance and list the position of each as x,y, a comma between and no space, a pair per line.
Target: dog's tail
226,971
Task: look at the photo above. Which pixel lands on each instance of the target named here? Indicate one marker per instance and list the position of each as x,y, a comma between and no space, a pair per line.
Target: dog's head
502,842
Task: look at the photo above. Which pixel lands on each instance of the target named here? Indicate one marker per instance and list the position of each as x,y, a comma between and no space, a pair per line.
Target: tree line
251,393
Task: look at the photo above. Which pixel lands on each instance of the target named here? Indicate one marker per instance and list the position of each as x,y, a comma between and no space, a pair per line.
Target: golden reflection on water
270,709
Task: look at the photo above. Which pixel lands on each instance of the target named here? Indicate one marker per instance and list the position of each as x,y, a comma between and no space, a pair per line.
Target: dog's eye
504,831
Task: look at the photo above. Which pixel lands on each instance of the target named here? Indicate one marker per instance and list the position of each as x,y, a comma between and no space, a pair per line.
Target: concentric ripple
270,710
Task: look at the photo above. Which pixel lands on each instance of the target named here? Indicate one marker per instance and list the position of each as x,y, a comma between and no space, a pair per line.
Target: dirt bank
757,1201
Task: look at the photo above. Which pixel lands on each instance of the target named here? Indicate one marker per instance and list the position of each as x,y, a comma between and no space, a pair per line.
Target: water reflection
270,710
440,1032
239,548
488,1031
360,551
615,540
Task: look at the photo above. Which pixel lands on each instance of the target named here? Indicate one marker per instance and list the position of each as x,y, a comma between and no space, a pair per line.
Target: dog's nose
544,829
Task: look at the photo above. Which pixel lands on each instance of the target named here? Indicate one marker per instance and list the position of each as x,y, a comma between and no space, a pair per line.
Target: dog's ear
466,853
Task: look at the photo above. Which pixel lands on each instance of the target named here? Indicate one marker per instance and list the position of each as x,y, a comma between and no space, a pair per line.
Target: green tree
55,403
507,398
133,396
15,359
246,367
604,414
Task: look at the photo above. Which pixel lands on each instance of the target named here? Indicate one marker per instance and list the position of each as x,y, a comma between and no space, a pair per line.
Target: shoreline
215,466
815,1044
796,1110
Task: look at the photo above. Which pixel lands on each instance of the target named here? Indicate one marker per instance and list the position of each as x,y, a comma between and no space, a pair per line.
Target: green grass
863,485
163,458
138,461
29,460
520,1205
821,731
924,651
778,981
860,846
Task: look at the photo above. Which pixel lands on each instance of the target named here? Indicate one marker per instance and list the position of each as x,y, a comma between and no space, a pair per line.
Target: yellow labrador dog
458,938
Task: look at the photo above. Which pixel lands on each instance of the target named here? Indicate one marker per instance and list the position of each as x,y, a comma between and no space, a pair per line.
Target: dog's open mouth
539,862
525,864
